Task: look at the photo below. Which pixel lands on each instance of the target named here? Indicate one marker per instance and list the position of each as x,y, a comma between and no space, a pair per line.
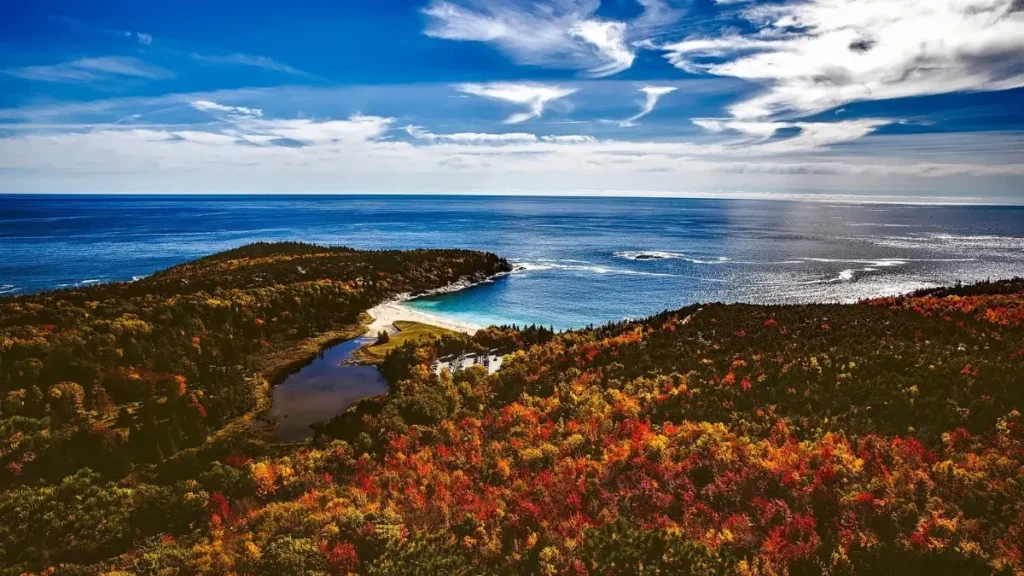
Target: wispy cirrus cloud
256,61
92,70
420,133
356,154
140,37
209,106
609,40
651,96
355,129
821,54
534,96
811,135
566,34
489,138
245,152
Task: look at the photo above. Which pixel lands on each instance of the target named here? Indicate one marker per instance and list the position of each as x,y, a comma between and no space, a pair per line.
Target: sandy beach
385,315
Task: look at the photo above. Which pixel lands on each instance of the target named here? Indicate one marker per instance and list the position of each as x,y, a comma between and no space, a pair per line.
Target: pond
323,389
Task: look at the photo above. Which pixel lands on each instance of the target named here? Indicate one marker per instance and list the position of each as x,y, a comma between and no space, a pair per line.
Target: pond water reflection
323,389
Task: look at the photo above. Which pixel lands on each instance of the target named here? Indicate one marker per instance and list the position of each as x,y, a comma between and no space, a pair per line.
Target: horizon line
912,200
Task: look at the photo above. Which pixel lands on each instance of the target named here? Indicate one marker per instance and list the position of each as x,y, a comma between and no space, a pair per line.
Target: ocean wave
880,225
663,255
519,267
766,262
7,289
592,268
139,277
950,242
974,237
557,260
851,274
883,263
88,282
846,275
649,255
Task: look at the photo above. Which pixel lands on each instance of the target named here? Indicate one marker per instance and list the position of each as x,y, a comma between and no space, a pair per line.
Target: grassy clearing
407,331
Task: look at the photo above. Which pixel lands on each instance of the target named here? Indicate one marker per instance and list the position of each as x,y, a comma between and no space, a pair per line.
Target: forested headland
115,397
883,437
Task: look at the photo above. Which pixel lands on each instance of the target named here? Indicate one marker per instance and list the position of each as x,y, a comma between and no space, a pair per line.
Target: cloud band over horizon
650,96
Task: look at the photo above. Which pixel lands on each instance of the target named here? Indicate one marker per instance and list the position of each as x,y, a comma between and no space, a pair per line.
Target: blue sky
903,99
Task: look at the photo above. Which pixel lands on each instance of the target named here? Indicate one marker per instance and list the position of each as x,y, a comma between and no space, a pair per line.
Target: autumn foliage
884,437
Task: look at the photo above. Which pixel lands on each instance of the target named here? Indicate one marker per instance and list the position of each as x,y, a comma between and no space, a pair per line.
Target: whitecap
879,225
519,267
594,269
649,255
883,263
951,242
664,255
88,282
719,260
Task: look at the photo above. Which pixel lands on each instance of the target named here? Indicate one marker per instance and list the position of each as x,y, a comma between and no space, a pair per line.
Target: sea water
579,261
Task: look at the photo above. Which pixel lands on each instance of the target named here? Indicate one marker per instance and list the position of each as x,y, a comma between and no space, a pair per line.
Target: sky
897,99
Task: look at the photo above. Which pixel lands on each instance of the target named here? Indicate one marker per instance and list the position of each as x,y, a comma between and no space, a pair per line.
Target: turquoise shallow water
581,260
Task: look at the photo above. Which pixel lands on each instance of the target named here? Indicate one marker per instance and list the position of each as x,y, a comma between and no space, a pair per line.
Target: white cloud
812,135
353,130
144,39
206,138
821,54
420,133
92,70
534,96
250,60
355,155
761,130
208,106
470,137
818,135
609,38
569,139
562,34
152,162
652,95
69,149
656,18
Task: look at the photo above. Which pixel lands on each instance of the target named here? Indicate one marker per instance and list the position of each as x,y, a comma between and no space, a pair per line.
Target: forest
883,437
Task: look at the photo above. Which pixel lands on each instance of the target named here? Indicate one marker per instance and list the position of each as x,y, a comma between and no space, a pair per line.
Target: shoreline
385,314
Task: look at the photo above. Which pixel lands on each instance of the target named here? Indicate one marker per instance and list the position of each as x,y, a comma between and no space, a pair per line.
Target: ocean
580,260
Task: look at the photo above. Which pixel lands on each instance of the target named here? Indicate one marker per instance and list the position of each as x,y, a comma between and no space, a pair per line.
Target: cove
323,389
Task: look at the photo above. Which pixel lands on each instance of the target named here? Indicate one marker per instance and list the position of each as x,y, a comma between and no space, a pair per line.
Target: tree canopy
881,437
